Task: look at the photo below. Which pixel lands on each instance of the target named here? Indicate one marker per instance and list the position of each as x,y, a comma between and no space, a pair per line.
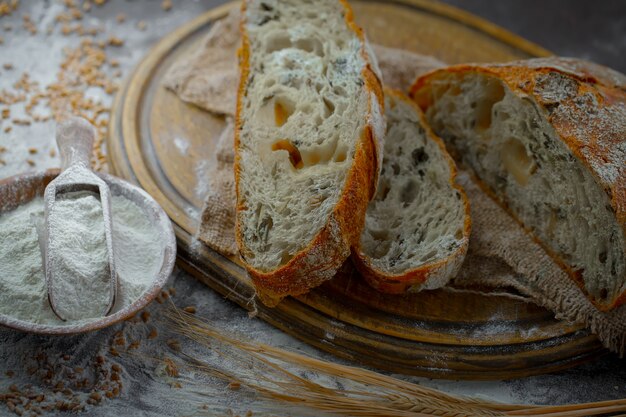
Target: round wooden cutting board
165,146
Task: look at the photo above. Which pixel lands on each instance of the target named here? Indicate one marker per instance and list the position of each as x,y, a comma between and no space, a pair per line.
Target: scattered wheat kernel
76,14
234,386
10,373
32,151
190,309
13,388
166,5
249,413
53,153
141,25
30,162
115,41
113,351
165,294
95,396
7,66
172,291
2,162
115,376
153,334
120,18
1,40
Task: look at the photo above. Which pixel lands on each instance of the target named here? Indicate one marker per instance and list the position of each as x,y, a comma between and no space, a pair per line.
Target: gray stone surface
593,30
146,391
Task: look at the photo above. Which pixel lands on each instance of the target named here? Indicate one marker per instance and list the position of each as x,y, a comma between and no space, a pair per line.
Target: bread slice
308,125
418,225
547,138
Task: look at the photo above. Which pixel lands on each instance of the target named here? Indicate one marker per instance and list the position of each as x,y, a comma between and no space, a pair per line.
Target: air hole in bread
329,107
277,42
341,156
285,257
603,294
494,93
516,160
283,109
602,256
312,158
311,45
294,154
382,249
383,190
409,191
339,91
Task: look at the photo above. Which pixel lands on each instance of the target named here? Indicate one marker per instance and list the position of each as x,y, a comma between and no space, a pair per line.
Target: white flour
79,256
23,293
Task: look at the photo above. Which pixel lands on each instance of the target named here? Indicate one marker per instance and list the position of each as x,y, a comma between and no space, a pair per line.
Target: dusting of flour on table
79,257
23,293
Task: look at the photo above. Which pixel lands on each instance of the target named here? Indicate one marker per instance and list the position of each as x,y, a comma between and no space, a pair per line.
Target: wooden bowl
21,189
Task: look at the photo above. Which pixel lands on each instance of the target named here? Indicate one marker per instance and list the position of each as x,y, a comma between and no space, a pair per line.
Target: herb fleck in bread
417,227
308,124
547,138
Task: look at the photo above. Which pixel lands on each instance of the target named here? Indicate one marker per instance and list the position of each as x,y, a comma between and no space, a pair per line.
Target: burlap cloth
501,254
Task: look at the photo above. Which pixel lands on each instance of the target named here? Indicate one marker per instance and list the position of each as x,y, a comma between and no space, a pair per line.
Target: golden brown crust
586,105
325,254
431,275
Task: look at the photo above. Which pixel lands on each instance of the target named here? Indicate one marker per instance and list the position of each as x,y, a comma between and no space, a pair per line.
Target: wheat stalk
374,394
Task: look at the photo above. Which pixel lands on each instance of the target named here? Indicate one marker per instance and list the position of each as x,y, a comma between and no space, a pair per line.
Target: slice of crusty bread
417,227
308,125
547,138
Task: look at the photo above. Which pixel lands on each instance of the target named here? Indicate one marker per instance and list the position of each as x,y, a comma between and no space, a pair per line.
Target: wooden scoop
75,139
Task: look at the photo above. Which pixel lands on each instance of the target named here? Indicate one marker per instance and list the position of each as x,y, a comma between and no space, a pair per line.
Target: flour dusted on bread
417,227
309,120
548,139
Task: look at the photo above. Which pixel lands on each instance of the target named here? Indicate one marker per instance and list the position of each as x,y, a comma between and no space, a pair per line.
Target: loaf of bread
417,227
547,139
309,123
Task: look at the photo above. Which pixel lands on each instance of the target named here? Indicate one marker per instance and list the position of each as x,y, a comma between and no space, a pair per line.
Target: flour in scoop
79,256
23,294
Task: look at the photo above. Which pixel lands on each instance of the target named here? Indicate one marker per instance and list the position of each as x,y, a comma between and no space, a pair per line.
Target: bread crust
431,275
328,250
589,116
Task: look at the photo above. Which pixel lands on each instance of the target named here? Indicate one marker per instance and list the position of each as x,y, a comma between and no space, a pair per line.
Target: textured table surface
593,30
